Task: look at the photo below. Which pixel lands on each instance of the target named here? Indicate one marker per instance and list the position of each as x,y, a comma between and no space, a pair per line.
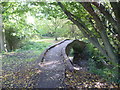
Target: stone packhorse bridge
54,61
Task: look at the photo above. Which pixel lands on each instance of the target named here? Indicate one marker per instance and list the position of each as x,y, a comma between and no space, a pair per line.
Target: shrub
97,66
12,40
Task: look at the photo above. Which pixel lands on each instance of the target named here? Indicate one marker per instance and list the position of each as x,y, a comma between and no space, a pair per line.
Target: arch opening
76,53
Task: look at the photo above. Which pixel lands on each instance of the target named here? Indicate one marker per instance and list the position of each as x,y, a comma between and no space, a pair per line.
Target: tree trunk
1,33
56,38
1,41
108,46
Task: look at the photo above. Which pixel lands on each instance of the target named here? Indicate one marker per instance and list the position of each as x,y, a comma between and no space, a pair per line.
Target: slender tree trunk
1,41
1,33
56,38
108,46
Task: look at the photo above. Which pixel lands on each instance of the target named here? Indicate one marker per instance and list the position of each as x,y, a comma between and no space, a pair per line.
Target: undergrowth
97,66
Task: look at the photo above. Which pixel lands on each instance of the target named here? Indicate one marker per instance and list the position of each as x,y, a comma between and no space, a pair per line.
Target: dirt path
52,70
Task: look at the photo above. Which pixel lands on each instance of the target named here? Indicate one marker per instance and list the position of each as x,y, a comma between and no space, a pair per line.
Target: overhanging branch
106,13
81,26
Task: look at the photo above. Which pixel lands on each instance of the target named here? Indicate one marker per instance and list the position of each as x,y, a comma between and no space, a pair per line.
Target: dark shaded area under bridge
54,61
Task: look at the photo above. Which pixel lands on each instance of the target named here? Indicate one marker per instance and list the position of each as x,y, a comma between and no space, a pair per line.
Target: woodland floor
23,75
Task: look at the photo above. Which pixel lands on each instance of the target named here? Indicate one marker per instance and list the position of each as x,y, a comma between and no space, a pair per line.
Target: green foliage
51,24
90,49
16,24
96,65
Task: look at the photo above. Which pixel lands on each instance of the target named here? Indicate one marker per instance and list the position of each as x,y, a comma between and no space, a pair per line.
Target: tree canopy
99,22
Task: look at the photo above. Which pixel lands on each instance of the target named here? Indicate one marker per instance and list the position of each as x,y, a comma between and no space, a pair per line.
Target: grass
33,45
27,53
